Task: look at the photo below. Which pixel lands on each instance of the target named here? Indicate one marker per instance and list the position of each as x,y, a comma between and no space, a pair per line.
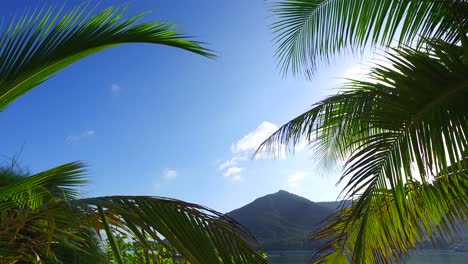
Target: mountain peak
281,220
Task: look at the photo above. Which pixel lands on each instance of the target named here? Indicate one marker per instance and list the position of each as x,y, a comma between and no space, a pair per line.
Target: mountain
282,220
335,205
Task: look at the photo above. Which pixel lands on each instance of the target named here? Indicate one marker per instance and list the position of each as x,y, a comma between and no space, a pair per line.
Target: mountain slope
335,205
282,221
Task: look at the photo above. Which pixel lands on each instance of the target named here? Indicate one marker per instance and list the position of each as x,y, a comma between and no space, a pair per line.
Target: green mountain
282,220
335,205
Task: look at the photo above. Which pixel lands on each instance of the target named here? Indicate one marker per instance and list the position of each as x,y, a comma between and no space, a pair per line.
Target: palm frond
408,123
383,234
199,234
310,31
36,190
28,234
35,47
42,210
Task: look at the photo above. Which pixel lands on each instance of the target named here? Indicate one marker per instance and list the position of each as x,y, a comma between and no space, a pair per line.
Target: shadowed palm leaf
309,31
29,232
43,210
404,137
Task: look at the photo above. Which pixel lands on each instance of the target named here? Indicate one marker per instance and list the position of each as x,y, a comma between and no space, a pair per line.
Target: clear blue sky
153,120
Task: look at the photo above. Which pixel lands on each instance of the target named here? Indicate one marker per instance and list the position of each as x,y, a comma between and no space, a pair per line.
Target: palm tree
402,133
313,31
43,213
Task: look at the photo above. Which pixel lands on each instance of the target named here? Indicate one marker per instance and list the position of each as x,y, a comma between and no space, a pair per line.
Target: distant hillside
334,205
282,221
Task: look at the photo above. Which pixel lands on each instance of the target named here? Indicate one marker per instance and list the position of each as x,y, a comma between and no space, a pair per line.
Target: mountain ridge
282,220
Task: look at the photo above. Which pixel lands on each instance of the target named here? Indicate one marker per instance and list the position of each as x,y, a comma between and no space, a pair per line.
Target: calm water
444,257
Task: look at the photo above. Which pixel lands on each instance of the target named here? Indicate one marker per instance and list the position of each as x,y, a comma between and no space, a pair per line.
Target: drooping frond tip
309,32
34,47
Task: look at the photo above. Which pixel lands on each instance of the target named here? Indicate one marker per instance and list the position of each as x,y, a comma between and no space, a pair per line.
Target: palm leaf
383,234
35,47
41,210
310,31
36,213
34,191
407,124
200,234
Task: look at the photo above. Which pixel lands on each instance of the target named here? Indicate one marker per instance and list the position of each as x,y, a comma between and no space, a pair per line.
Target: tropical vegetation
401,133
43,218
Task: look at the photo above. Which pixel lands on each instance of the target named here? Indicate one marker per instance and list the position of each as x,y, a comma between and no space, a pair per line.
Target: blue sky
154,120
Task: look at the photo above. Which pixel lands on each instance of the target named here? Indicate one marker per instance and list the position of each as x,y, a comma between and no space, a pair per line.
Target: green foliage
43,218
132,251
312,31
402,133
35,47
403,137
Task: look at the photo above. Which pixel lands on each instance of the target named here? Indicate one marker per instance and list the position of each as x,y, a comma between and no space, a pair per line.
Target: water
427,257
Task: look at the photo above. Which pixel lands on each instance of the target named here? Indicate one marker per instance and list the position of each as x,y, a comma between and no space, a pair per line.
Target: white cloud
295,178
169,174
227,164
233,171
237,178
252,141
83,135
231,163
246,146
115,89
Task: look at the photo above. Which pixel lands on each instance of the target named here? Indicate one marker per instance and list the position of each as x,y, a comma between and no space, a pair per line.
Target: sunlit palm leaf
383,234
35,47
309,31
36,190
408,123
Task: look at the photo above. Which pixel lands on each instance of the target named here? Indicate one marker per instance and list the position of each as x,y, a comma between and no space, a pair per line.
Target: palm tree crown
402,133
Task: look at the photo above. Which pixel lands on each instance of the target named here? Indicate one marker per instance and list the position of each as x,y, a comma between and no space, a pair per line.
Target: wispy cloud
169,174
252,140
245,147
75,138
115,89
295,178
233,171
230,163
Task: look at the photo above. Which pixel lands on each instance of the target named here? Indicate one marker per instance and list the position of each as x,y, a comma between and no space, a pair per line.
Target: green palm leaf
407,124
309,31
200,234
42,210
36,190
35,47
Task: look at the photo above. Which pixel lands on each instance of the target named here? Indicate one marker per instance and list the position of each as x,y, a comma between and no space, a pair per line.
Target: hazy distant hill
334,205
282,221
